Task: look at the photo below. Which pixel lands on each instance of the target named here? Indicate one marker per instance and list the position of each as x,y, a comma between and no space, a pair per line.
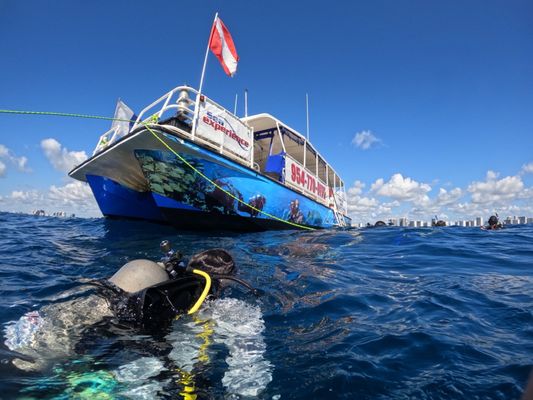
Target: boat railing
340,200
177,102
106,139
181,106
190,121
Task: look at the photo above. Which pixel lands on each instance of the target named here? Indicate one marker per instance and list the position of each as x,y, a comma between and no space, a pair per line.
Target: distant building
403,221
479,221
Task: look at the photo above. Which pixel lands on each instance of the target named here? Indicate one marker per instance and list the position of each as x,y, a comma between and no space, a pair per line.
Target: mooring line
71,115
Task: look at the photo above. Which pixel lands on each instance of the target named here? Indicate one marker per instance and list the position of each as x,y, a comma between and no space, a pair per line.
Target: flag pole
197,105
307,113
207,53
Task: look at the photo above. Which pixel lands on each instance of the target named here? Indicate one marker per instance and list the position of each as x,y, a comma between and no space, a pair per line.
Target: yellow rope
58,114
222,189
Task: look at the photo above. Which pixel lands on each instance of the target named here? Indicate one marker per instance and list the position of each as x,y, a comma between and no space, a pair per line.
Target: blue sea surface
383,313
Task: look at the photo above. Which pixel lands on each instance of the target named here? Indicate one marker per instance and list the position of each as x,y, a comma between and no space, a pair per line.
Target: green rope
58,114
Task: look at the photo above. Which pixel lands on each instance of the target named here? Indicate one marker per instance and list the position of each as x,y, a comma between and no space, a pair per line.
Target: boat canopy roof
292,143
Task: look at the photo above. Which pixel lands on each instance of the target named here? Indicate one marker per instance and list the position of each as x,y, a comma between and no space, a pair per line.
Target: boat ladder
340,221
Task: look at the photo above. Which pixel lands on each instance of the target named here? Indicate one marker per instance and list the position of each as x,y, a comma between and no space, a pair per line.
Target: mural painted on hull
171,177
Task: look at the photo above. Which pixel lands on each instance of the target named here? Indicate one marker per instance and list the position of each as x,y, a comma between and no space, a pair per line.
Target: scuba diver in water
494,223
146,295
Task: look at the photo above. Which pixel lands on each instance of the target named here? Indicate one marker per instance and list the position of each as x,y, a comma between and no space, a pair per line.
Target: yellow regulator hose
205,292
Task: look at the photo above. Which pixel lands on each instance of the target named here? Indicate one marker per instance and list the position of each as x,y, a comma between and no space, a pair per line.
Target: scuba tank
149,294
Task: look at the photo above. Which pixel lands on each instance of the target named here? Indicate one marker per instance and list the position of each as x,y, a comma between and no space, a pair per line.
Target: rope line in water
222,189
72,115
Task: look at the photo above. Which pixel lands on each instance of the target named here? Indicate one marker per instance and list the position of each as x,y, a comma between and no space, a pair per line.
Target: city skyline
473,222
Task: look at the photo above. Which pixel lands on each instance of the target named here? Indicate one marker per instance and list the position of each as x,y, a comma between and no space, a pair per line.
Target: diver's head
138,275
493,220
214,261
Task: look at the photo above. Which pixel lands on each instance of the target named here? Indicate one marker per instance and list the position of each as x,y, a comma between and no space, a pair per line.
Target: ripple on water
387,313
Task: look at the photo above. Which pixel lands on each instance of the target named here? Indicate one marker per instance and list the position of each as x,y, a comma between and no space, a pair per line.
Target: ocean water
385,313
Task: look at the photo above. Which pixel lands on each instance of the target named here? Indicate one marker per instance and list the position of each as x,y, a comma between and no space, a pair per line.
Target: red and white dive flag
222,46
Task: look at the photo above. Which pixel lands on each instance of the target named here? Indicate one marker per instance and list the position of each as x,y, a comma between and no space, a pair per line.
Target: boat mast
245,102
307,113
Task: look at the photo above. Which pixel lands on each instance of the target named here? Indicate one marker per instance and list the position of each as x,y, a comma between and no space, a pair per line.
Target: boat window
266,142
310,159
322,170
294,144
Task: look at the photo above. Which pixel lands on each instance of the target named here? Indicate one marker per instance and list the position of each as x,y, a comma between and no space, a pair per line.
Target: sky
424,108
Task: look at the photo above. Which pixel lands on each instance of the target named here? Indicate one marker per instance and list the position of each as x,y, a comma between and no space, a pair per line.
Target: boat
189,162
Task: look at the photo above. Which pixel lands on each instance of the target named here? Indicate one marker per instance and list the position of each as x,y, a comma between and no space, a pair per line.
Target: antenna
245,102
307,113
235,107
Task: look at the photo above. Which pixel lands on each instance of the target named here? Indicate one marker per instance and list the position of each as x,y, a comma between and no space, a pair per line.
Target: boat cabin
285,155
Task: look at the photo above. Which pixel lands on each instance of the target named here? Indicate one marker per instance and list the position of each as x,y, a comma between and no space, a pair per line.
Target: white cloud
62,159
73,193
527,168
73,198
508,196
445,198
494,191
25,197
356,189
367,208
8,156
365,140
400,188
21,163
359,204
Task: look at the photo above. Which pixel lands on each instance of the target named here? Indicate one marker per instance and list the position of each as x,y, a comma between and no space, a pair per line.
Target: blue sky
423,107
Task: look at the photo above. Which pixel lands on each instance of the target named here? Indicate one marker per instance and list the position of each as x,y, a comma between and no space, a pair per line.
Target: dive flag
123,120
222,46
